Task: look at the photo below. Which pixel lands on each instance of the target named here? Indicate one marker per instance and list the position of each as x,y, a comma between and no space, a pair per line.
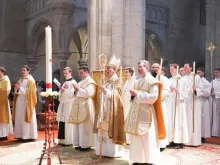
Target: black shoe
162,149
3,138
171,145
78,148
178,146
85,149
203,140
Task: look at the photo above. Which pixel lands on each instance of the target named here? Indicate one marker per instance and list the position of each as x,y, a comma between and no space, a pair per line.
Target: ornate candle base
49,144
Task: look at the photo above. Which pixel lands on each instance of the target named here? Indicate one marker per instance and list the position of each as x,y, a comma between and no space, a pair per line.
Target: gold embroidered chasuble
31,98
4,89
80,109
114,122
139,119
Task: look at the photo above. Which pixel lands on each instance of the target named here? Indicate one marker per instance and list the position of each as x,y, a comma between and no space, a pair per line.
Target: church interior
177,31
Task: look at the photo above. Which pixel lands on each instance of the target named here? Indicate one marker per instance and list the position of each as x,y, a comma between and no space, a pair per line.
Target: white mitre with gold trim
114,62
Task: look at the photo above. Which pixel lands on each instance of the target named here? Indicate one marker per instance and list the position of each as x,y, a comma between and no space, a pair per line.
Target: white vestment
194,109
165,93
205,102
216,108
129,84
144,147
23,129
6,128
83,129
178,128
66,101
109,149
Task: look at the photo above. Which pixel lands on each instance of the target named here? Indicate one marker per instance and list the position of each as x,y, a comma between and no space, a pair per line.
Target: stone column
62,61
92,30
118,23
210,34
117,27
134,32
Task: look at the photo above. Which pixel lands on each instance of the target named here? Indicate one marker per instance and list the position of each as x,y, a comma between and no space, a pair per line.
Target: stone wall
13,63
12,26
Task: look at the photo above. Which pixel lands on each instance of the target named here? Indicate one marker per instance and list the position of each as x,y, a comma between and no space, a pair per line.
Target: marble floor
29,154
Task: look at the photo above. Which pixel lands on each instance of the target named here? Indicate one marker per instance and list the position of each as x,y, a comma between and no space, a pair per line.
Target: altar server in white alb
193,106
157,73
25,99
66,98
216,103
82,112
205,101
112,123
178,129
145,122
129,84
6,127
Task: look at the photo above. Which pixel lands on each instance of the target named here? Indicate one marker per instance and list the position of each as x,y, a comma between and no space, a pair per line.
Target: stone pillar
62,66
83,62
210,34
117,27
134,32
118,23
62,58
92,30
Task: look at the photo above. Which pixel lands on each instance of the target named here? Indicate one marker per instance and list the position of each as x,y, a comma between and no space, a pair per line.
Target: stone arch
75,30
36,48
78,47
37,32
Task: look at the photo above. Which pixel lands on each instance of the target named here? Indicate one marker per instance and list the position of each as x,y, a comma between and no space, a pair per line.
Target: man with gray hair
66,97
145,120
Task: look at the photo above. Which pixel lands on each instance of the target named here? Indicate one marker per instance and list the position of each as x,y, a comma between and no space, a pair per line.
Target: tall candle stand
50,146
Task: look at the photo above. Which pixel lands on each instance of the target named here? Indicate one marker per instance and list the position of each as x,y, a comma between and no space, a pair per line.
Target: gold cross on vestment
211,47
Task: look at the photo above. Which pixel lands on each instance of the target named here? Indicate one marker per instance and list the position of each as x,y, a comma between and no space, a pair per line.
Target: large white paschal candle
48,39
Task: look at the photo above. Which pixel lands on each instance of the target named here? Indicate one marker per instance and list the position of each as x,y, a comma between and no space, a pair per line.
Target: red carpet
11,140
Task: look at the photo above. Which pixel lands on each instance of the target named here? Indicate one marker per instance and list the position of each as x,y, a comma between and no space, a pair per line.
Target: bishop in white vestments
155,69
6,127
83,112
145,122
205,101
109,123
129,84
216,104
24,114
66,98
178,128
193,106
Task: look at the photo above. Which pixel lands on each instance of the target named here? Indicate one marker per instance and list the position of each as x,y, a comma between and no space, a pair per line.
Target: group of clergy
23,108
149,113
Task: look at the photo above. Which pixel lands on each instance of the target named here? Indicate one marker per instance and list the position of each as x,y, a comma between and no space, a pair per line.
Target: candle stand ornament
50,146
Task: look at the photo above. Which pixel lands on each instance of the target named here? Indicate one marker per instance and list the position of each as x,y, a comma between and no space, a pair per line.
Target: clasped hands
17,86
172,89
103,88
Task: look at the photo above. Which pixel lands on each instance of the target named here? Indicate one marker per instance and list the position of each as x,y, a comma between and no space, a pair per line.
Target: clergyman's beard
154,74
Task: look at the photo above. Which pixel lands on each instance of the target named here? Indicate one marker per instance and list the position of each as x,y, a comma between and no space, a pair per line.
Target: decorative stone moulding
61,10
32,62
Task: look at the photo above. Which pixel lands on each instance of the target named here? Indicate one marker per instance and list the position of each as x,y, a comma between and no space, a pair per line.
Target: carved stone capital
83,62
32,63
61,10
62,55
